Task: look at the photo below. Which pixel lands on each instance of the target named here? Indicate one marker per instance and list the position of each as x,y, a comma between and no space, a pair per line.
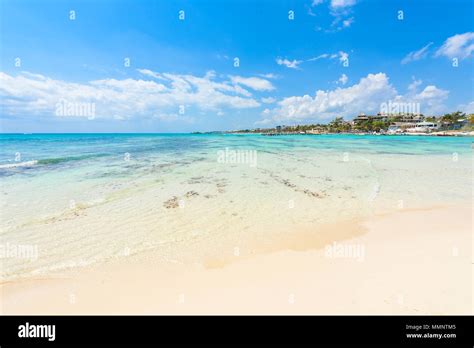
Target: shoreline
437,134
413,262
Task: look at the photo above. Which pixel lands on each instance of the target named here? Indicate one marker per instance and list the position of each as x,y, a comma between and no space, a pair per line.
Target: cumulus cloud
458,46
431,98
292,64
365,96
28,94
432,92
416,55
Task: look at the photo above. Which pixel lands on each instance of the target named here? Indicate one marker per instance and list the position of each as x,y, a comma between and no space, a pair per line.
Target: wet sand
407,262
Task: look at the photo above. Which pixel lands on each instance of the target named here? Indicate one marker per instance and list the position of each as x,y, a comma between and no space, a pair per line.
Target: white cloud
268,76
35,94
321,56
129,84
340,10
341,54
432,92
255,83
467,108
293,64
417,55
458,46
339,23
431,99
365,96
339,4
343,79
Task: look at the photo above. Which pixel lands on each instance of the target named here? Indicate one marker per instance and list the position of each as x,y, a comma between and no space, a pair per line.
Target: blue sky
334,58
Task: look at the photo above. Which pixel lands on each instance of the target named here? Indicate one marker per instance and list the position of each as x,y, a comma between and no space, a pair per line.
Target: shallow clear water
84,198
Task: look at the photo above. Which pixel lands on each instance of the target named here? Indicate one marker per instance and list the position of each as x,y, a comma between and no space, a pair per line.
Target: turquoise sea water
78,149
84,198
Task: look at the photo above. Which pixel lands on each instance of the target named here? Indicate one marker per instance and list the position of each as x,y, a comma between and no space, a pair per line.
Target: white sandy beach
413,262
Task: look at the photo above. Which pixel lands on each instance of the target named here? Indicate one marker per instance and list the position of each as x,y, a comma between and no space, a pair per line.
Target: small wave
18,164
47,161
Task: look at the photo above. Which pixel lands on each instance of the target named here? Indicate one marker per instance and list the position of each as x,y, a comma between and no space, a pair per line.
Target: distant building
409,118
460,123
317,130
424,127
278,128
400,118
361,118
380,117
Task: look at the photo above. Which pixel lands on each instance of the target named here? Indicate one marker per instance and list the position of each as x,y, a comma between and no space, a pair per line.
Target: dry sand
409,262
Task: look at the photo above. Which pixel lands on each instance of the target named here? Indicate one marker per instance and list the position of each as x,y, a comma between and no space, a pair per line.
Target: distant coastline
452,124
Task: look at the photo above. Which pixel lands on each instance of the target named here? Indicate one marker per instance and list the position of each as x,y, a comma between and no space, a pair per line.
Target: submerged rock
171,203
191,194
